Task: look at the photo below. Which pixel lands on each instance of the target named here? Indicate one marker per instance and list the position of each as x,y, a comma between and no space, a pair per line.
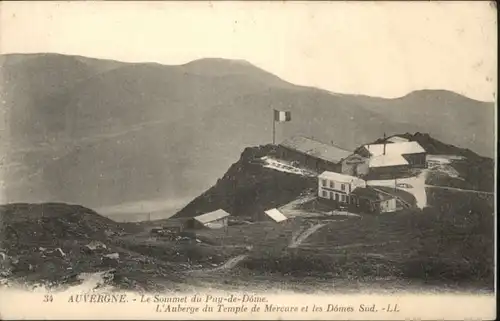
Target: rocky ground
71,244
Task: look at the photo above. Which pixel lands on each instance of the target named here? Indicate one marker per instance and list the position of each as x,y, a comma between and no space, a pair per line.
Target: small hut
213,220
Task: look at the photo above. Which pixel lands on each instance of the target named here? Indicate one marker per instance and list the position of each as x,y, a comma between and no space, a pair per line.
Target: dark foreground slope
55,244
449,247
43,224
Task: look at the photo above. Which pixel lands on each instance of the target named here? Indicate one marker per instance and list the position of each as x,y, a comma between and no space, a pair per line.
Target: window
343,198
342,187
324,194
336,196
332,195
323,182
332,184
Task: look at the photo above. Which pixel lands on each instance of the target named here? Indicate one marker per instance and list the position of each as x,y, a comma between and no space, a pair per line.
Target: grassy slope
433,247
476,174
449,244
477,171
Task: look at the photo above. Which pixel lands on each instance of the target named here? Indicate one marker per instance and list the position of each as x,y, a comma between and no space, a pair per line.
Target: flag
282,116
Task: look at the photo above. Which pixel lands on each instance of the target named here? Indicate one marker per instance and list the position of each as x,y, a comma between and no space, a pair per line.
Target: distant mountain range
101,132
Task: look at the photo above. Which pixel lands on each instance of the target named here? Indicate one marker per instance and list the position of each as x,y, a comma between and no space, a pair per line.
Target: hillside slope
99,132
57,244
247,188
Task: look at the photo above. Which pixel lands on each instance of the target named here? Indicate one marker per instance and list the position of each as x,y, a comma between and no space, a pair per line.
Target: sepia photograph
248,160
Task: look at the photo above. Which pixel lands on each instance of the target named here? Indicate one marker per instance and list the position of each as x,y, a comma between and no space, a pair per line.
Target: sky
384,49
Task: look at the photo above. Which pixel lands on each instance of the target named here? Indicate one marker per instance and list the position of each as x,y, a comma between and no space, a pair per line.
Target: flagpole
274,129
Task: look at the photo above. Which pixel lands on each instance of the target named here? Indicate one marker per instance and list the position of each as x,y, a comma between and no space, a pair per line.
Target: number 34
48,298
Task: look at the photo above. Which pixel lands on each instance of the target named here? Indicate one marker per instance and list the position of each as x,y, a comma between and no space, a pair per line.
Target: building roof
402,148
338,177
397,139
276,215
397,193
387,160
212,216
355,156
443,159
371,194
366,193
316,149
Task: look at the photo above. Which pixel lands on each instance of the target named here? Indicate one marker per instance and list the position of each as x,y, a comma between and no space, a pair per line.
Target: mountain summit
102,133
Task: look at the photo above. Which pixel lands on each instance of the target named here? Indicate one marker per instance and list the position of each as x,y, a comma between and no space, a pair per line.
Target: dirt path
291,210
349,246
229,264
418,187
296,241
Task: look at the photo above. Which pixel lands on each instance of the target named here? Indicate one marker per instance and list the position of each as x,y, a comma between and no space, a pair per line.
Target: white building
388,204
213,220
338,187
399,155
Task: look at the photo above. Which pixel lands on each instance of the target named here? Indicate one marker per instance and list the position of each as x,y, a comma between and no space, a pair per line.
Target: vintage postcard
248,160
